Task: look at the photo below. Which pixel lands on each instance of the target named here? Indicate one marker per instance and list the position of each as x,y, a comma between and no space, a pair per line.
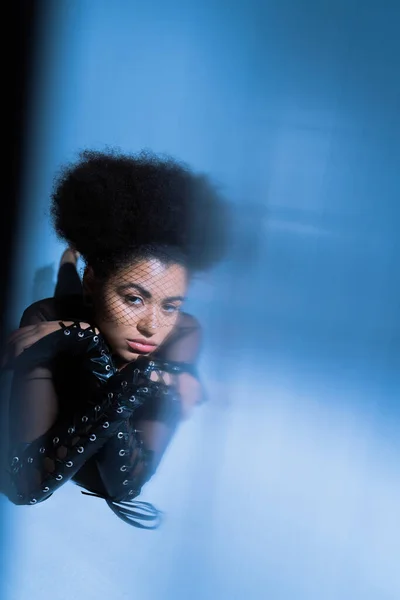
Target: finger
20,332
16,339
27,336
24,344
41,329
25,339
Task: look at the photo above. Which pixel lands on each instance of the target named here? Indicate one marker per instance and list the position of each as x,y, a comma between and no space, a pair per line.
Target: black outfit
112,426
68,281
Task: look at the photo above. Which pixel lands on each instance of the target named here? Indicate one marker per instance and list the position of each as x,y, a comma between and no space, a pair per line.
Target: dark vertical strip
18,61
20,22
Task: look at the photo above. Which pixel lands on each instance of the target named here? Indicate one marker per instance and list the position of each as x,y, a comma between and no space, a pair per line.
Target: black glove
75,341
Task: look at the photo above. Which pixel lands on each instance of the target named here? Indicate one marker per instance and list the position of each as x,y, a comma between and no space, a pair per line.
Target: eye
170,308
135,300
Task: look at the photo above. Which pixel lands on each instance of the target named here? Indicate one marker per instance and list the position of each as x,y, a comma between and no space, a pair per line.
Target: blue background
286,485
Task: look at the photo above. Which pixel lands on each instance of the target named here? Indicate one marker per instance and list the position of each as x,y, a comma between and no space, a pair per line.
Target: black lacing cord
133,511
48,477
77,325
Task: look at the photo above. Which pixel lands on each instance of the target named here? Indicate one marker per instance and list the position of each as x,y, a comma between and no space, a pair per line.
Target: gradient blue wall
295,108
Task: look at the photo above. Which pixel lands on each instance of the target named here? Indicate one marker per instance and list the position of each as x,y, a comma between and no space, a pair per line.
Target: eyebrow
146,294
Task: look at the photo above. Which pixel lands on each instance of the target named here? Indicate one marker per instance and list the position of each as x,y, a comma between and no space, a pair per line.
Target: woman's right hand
25,337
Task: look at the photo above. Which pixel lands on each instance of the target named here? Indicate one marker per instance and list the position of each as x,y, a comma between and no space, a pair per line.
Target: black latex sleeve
128,460
74,340
39,468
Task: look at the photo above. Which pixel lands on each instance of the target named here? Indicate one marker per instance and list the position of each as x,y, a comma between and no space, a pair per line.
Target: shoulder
38,312
184,342
187,323
52,309
187,328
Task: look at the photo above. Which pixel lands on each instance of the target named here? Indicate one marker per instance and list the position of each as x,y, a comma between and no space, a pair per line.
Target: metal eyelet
106,424
69,463
122,452
97,408
151,363
124,468
144,390
15,460
67,332
81,334
30,460
85,419
59,477
92,437
136,372
33,501
120,435
125,482
108,367
120,410
80,449
71,429
132,399
130,493
46,489
110,395
124,384
95,339
56,440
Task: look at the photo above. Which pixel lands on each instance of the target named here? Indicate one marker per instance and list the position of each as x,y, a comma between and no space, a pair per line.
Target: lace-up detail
119,431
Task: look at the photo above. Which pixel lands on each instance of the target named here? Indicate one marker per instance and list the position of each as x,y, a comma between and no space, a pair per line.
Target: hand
25,337
188,387
190,391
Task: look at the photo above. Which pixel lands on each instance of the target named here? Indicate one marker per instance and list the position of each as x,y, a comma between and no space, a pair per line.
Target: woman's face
138,307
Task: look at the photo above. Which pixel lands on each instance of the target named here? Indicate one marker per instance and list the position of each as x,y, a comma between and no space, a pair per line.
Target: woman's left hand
188,387
190,391
25,337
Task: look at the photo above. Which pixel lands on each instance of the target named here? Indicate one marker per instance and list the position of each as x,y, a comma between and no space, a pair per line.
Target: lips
141,346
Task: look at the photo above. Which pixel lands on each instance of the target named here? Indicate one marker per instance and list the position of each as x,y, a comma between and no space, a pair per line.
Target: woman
102,378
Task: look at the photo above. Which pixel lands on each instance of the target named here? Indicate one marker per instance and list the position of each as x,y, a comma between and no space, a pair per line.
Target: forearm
128,460
37,469
45,450
33,406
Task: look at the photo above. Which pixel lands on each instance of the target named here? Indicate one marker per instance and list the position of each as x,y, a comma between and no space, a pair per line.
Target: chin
125,357
128,356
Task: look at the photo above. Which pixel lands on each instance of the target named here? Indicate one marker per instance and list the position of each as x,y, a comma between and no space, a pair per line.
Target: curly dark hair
112,207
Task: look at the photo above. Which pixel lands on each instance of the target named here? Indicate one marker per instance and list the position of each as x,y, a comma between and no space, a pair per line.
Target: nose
149,324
